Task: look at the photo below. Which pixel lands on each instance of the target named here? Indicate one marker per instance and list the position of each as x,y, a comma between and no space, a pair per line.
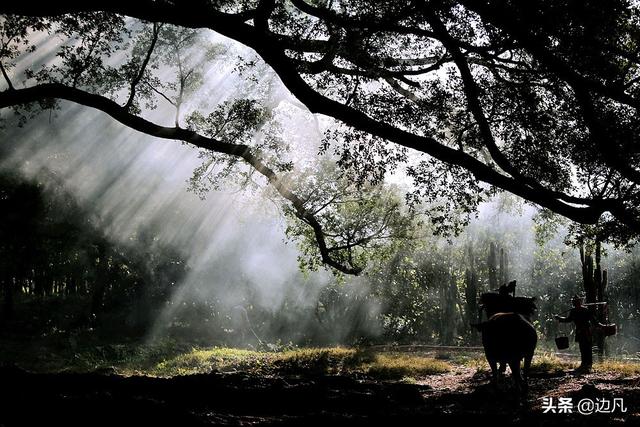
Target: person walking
583,319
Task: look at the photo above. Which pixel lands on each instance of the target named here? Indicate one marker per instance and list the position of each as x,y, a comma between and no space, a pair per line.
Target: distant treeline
60,273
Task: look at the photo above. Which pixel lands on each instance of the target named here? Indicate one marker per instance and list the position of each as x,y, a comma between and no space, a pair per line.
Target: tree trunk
506,275
491,263
471,296
501,276
595,284
600,279
100,285
448,304
588,283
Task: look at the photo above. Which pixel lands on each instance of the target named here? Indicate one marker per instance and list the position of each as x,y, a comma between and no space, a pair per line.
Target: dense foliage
537,99
467,99
61,273
62,276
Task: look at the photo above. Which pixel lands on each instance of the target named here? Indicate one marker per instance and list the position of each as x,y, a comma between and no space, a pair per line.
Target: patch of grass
408,380
333,360
542,363
406,367
549,363
620,367
309,361
545,362
477,361
397,366
199,361
56,354
125,359
170,358
443,356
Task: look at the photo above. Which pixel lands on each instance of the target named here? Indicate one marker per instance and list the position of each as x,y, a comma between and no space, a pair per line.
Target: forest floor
337,386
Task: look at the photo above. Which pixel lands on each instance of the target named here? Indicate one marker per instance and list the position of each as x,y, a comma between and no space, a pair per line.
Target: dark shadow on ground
98,399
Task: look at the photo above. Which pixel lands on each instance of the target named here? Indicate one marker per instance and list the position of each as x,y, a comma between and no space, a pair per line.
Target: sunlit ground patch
169,358
549,364
314,361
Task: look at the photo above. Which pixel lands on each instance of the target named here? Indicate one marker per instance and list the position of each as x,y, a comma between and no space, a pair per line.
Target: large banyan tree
536,98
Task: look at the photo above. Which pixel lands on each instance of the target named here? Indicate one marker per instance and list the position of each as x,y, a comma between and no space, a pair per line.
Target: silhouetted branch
58,91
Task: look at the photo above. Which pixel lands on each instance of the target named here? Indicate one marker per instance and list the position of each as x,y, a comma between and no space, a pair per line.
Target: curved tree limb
581,84
272,48
14,97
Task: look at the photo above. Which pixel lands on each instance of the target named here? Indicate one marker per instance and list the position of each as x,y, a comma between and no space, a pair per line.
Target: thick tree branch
368,23
197,14
537,46
317,103
6,77
601,139
42,92
472,93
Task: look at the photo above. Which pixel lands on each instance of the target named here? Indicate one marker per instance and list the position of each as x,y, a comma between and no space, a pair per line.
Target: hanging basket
562,343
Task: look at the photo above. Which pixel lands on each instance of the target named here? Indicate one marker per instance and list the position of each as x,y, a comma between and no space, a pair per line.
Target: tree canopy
539,99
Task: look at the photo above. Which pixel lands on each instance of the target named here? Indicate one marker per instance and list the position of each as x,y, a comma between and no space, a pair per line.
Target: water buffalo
509,338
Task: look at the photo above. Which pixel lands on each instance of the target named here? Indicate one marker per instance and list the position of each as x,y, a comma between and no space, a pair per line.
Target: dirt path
460,380
463,395
467,390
